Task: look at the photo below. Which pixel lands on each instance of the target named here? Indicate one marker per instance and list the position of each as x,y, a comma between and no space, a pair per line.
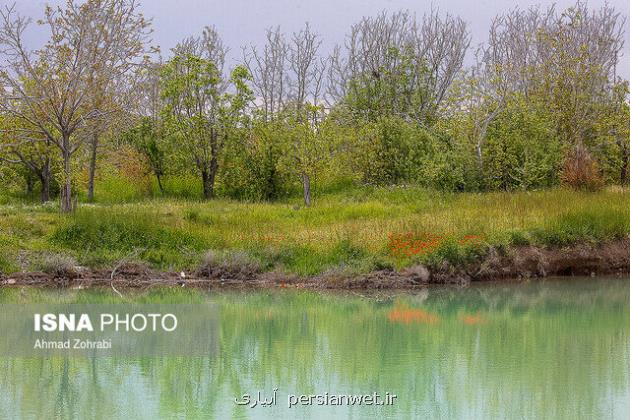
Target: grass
355,230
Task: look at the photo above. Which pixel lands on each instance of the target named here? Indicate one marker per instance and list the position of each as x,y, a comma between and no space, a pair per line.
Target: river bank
610,259
365,238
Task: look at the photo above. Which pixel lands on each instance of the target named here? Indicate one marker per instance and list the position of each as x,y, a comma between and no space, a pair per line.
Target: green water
554,349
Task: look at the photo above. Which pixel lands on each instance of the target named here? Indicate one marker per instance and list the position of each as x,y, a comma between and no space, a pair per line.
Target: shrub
226,263
253,171
59,265
581,171
521,150
389,151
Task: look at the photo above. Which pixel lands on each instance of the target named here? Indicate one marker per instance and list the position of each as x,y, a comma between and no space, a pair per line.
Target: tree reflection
554,349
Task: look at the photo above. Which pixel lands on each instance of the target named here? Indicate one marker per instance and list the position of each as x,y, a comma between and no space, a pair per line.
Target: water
554,349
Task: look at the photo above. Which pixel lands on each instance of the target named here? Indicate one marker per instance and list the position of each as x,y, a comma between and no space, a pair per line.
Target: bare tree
306,80
289,78
269,71
305,70
208,46
429,51
521,42
48,89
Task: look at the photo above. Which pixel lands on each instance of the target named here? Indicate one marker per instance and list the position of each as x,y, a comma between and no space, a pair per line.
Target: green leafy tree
305,146
36,158
148,138
522,149
613,136
199,113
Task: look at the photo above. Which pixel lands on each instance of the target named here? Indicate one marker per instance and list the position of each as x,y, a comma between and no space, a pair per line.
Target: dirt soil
517,263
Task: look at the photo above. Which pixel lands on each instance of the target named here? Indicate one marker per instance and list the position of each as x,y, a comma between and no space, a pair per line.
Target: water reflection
539,350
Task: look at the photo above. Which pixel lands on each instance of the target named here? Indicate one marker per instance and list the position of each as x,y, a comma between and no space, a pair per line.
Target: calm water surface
553,349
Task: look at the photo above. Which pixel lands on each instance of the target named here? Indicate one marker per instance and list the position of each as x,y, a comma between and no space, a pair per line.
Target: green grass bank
355,232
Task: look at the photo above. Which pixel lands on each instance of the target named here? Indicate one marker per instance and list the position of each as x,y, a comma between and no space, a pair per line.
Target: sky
243,22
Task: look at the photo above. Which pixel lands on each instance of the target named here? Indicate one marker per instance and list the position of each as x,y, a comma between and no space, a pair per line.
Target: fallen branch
120,264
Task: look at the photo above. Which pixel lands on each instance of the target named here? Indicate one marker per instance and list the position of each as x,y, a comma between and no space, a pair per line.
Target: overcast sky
243,22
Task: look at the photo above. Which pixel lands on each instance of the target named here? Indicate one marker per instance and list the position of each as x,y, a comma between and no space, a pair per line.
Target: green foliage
400,87
199,116
447,165
456,253
611,146
149,139
388,150
521,150
252,170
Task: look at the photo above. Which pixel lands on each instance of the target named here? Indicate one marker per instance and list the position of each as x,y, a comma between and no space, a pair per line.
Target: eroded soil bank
517,263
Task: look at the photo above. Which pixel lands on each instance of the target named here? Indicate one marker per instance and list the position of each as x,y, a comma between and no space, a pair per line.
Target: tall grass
350,230
127,230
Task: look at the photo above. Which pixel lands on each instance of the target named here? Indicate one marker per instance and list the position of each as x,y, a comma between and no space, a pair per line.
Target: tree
148,134
568,60
269,73
399,64
148,139
113,99
621,133
306,78
613,134
36,158
199,111
47,89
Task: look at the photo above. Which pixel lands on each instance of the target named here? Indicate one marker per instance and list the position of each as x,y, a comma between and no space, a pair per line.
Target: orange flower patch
407,316
409,244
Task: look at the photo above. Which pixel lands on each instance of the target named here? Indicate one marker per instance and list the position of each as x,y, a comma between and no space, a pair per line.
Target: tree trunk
66,189
30,183
159,181
214,166
306,183
207,187
45,180
479,155
45,192
625,161
92,168
212,175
